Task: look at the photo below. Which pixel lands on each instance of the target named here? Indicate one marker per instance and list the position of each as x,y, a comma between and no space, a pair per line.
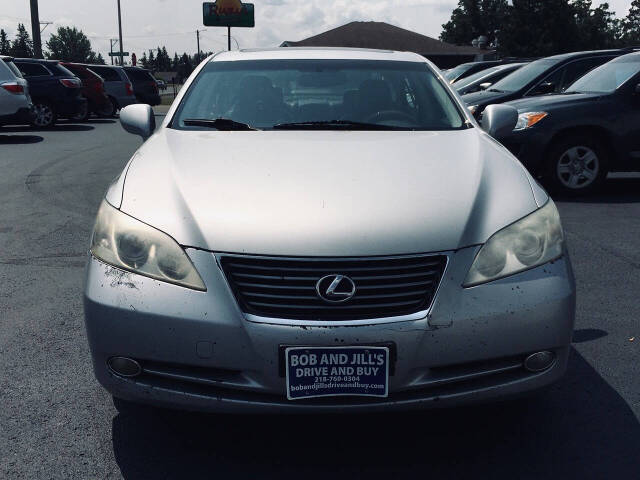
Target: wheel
83,114
576,165
110,109
44,116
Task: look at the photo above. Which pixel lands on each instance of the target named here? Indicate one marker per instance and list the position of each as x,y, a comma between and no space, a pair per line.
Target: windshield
457,71
465,82
608,77
265,94
523,76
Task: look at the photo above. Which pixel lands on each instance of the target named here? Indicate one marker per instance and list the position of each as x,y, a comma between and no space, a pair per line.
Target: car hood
484,97
326,193
547,102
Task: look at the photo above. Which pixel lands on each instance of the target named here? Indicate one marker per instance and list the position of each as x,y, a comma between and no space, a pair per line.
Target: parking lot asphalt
57,422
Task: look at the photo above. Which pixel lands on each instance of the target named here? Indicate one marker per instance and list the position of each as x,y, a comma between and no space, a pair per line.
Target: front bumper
199,352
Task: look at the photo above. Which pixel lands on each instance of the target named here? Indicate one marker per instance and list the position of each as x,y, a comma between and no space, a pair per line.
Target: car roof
591,53
635,56
316,53
37,60
90,65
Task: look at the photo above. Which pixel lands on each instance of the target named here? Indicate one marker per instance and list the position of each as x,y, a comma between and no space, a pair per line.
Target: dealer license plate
337,371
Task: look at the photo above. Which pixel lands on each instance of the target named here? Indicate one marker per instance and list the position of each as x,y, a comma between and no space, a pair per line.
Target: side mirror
638,88
138,119
544,88
484,86
499,120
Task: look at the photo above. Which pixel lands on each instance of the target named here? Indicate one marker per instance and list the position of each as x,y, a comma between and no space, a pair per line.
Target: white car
15,102
315,230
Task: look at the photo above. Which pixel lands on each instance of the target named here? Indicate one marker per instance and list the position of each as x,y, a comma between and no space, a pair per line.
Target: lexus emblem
335,288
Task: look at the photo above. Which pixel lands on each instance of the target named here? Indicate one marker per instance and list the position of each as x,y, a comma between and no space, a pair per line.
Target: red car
93,90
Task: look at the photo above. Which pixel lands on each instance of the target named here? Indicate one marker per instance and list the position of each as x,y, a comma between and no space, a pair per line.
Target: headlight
528,243
127,243
529,119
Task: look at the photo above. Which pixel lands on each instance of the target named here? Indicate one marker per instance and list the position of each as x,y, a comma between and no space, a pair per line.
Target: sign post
229,13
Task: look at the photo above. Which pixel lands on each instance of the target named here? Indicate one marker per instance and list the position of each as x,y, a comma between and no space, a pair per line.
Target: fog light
125,367
539,362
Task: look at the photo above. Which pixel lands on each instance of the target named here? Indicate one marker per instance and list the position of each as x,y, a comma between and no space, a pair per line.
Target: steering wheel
390,115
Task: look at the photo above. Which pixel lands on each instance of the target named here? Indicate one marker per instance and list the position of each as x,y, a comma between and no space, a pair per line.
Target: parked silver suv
15,104
325,230
117,85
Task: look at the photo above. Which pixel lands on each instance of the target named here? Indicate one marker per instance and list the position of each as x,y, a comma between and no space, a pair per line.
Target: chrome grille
286,287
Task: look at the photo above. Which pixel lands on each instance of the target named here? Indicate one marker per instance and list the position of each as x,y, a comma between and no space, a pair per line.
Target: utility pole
198,39
120,35
35,29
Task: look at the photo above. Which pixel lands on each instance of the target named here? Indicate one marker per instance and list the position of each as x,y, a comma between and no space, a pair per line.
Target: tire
83,115
576,165
45,116
110,109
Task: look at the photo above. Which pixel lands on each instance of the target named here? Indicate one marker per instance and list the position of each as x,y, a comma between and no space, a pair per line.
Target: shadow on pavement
588,335
614,190
101,120
19,139
60,127
580,428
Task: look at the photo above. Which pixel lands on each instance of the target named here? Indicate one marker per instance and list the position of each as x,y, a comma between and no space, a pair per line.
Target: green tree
597,27
22,46
144,61
71,45
5,44
100,60
631,25
474,18
151,63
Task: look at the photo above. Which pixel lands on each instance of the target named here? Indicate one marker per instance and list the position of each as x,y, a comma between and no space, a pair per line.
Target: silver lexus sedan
314,230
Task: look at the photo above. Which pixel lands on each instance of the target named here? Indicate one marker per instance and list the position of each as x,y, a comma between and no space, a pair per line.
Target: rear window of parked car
109,74
60,71
33,69
13,68
139,75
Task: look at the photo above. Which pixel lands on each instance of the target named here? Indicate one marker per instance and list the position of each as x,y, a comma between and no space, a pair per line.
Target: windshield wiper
495,90
336,125
223,124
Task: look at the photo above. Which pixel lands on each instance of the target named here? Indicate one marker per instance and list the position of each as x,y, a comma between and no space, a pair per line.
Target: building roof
383,36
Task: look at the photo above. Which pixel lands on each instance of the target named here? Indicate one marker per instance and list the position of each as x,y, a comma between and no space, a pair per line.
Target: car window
608,77
33,69
78,71
457,71
15,70
108,74
264,93
475,77
524,76
60,71
555,77
577,69
137,75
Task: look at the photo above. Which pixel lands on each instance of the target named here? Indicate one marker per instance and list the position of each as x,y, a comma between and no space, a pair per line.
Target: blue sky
148,23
